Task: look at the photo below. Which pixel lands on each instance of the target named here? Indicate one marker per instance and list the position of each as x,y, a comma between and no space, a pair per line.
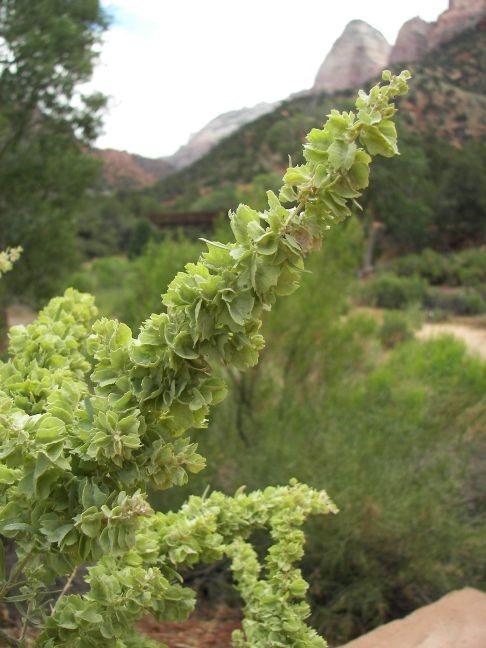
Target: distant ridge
357,56
217,129
123,170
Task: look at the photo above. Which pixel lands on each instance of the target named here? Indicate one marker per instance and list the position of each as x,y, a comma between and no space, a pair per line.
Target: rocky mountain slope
361,51
217,129
447,99
122,170
358,55
461,15
412,41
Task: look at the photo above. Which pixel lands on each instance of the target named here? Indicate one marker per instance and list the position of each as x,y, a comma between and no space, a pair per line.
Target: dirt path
197,632
473,338
471,330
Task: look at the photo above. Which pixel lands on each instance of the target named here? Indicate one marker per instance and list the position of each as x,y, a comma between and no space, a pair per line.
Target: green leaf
266,277
380,140
16,526
240,307
50,428
184,346
297,175
359,173
268,243
342,154
240,220
8,475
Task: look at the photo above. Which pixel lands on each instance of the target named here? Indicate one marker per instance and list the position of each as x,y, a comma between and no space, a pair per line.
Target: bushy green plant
91,417
430,265
396,439
458,302
389,291
395,329
465,268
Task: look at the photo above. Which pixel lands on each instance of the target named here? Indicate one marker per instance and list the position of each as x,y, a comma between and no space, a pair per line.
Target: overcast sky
170,66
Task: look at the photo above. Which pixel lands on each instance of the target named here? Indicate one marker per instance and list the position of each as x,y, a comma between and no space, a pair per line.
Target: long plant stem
66,587
25,624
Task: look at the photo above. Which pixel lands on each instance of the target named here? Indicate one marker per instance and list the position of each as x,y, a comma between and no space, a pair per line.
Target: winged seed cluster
91,418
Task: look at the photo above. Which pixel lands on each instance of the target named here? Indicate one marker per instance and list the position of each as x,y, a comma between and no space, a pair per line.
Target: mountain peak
412,41
358,54
461,15
217,129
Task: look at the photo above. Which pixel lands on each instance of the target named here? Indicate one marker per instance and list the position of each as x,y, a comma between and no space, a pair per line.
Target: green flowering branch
145,580
8,257
91,417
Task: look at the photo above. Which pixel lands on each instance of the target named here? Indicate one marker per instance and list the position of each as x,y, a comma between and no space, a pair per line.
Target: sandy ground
457,620
474,338
197,632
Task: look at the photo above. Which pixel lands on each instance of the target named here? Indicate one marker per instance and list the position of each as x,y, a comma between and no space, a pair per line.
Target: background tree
401,197
461,205
47,50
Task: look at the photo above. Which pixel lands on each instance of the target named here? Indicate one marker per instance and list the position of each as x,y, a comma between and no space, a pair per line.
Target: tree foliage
47,49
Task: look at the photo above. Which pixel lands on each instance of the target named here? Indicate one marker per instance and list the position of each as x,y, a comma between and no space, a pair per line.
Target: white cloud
170,67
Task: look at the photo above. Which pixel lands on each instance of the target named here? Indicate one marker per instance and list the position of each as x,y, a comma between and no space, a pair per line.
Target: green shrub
472,267
457,302
389,291
395,329
390,440
465,268
432,266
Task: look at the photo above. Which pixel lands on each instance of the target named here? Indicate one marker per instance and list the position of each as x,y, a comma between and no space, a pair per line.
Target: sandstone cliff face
122,170
358,54
461,15
412,41
216,130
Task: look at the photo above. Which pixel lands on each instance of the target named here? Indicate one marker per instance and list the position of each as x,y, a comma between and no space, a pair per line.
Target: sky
170,66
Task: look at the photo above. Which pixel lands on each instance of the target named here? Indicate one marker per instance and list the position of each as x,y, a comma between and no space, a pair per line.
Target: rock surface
456,620
131,171
216,130
461,15
412,41
358,54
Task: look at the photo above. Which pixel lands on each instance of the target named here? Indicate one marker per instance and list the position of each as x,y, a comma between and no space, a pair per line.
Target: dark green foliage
461,203
466,301
401,196
389,291
395,329
47,50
